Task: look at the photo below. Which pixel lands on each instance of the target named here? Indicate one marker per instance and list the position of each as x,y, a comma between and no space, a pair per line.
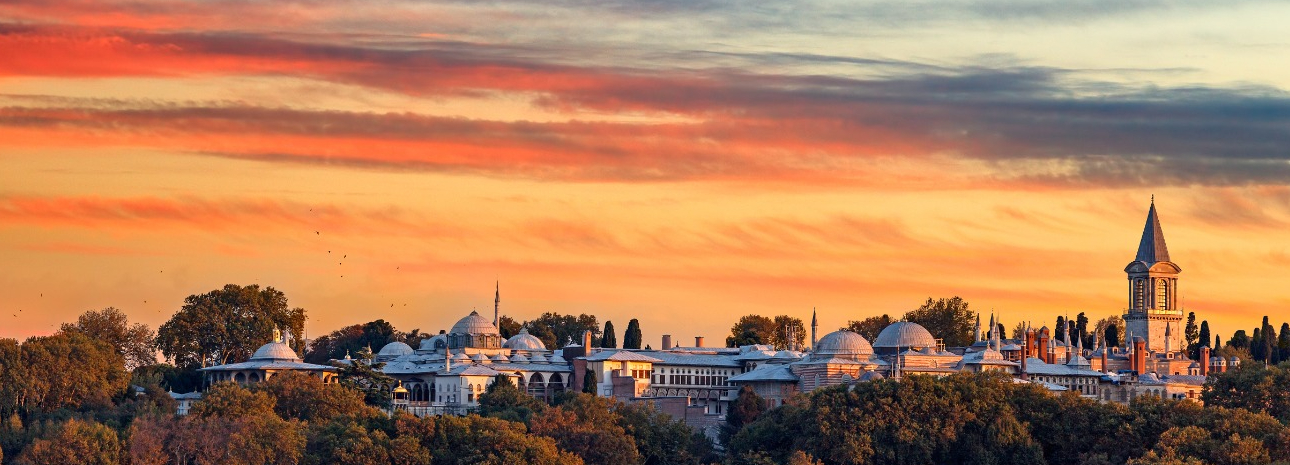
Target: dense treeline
989,419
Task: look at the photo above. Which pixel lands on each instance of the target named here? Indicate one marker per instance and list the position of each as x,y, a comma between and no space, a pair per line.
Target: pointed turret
1152,249
497,304
978,327
815,323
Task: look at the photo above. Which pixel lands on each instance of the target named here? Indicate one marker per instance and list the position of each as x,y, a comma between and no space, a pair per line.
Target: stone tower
1153,309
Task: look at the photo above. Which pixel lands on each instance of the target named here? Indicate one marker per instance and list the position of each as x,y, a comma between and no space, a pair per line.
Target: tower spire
978,327
1151,248
497,303
815,323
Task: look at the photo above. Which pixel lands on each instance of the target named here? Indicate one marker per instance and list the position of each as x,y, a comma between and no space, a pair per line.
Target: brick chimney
586,341
1139,355
1043,345
1204,361
698,341
667,341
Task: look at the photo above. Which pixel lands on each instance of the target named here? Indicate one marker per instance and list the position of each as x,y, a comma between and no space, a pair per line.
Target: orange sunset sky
680,162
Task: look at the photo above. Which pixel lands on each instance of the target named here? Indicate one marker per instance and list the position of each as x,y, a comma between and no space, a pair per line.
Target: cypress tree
1057,330
1191,333
1283,342
589,383
607,339
1203,337
632,337
1112,336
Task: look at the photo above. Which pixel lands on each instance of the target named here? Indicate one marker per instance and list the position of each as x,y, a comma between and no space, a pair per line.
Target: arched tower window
1162,294
1139,293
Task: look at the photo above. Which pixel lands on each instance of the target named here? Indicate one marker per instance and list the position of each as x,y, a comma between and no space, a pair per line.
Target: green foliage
227,325
869,327
1112,336
555,329
1081,330
607,338
744,410
133,342
986,418
507,326
949,319
299,396
660,440
750,330
589,382
1203,338
172,378
74,372
589,427
1254,388
368,379
632,336
77,442
479,440
353,339
233,401
788,331
503,400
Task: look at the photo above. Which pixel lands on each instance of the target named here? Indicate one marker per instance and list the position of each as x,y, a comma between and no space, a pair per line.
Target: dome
474,324
481,358
519,358
524,341
275,351
499,358
538,358
904,335
430,343
557,359
395,349
841,344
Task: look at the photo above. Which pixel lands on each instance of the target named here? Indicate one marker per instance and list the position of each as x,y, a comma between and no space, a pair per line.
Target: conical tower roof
1152,249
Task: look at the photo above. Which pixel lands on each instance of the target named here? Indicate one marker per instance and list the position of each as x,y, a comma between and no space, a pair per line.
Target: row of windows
693,380
1162,293
695,371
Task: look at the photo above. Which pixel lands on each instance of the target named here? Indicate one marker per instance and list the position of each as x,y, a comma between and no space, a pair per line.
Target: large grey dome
436,342
474,324
524,341
904,335
842,344
275,351
395,349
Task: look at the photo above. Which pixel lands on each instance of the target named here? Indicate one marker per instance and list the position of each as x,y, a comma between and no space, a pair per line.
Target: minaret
1169,334
978,327
815,324
497,303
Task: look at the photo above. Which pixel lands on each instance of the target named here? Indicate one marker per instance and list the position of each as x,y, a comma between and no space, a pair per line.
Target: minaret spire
978,327
497,303
815,323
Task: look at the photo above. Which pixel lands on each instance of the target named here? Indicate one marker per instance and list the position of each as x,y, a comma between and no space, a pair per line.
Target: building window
1162,294
1139,293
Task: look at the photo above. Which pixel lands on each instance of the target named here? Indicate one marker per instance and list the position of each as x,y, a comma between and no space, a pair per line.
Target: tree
1270,353
13,378
1081,329
607,338
367,378
632,337
1202,339
1057,330
1254,388
1103,328
1283,342
507,326
1191,333
948,319
1239,340
231,400
227,325
475,439
589,382
789,332
75,442
744,410
589,427
751,330
299,396
350,340
555,329
74,372
660,440
133,342
503,400
870,327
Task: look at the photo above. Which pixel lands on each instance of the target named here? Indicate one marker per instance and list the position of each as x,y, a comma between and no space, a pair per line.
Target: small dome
539,358
524,341
904,335
519,358
474,324
481,358
557,359
841,344
871,376
275,351
499,358
460,356
432,343
395,349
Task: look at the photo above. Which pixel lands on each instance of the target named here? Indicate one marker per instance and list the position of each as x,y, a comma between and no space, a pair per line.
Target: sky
679,162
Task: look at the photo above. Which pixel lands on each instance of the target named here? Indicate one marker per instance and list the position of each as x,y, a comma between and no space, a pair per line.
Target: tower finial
497,303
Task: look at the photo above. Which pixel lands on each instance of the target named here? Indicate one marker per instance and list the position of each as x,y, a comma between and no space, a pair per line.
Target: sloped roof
766,373
1152,249
620,356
